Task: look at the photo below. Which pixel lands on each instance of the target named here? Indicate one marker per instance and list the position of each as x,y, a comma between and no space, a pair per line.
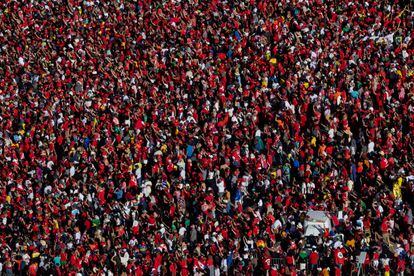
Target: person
313,259
32,269
140,137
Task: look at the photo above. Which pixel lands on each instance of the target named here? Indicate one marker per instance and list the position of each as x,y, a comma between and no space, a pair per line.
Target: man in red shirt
184,267
173,268
339,258
385,231
313,259
33,269
290,261
266,261
157,263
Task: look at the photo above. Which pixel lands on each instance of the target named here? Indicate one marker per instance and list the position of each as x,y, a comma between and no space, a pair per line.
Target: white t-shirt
125,259
182,231
277,224
138,172
331,133
371,146
220,186
147,190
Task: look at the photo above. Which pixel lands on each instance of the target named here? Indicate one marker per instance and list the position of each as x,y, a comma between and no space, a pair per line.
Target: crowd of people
190,137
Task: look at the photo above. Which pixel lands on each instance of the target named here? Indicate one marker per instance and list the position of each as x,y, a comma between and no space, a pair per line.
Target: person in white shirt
371,146
224,265
216,271
182,231
124,256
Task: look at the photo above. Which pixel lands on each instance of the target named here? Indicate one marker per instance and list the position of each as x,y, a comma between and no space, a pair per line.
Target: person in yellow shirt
325,271
313,141
396,190
350,243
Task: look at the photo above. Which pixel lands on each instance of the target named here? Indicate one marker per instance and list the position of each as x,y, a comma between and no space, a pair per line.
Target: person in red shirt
157,264
266,261
173,267
210,264
313,259
401,264
290,262
138,271
33,269
339,257
184,267
385,231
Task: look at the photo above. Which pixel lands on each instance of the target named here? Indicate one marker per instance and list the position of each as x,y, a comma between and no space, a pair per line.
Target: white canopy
316,223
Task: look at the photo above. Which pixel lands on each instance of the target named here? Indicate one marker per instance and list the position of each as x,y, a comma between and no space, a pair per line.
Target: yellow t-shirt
351,243
313,141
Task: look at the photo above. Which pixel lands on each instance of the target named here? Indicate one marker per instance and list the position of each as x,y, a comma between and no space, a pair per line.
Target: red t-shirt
173,268
384,226
339,257
266,262
313,258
